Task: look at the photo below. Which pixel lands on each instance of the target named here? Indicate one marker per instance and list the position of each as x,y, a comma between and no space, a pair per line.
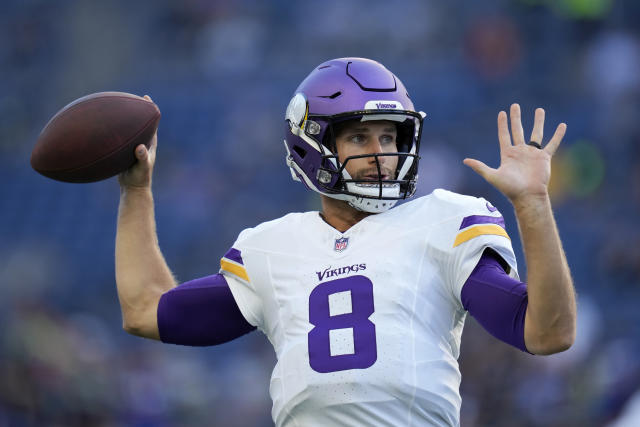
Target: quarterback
364,302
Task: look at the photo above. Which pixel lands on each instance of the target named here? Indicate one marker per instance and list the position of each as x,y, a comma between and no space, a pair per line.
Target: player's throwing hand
525,167
139,175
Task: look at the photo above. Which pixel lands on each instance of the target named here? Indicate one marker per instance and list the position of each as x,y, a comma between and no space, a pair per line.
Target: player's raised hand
524,169
139,175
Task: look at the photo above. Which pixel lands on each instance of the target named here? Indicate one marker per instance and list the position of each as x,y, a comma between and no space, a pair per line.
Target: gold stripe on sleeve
234,268
479,230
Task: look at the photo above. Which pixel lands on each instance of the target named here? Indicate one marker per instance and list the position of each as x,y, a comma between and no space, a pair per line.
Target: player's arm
523,177
142,275
199,312
496,300
550,323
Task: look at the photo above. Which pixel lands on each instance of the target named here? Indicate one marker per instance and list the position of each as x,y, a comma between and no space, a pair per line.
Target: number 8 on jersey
343,337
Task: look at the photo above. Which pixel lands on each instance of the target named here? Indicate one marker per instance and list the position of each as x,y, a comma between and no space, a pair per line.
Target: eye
387,139
357,138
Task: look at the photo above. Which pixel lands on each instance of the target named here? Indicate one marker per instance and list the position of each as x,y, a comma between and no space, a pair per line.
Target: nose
376,148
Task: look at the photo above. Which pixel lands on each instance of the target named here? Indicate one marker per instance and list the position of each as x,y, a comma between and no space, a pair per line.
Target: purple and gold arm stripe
479,225
468,221
232,263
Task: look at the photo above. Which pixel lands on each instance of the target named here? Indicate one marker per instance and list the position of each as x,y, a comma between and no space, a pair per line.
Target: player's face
370,137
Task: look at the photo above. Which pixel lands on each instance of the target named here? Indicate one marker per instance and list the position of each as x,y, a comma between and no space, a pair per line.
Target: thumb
479,167
141,153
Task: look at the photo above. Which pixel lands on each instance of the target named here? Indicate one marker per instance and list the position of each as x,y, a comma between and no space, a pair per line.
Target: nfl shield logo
341,244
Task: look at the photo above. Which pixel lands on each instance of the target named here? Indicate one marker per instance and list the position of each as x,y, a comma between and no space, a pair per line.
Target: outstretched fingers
516,125
480,168
537,134
556,139
503,131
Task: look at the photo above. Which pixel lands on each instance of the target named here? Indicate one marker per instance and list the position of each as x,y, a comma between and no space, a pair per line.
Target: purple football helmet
351,89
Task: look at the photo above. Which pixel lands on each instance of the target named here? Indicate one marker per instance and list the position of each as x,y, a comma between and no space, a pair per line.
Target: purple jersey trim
201,312
234,255
497,301
481,219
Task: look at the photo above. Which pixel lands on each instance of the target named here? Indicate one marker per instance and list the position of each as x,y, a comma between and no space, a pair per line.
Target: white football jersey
366,324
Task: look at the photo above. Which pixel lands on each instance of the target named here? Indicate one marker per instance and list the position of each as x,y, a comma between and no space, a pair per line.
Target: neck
339,214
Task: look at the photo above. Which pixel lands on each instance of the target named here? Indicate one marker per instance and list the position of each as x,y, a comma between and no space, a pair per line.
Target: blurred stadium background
222,73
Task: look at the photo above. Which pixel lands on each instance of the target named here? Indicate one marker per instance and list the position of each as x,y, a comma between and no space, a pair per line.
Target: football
94,137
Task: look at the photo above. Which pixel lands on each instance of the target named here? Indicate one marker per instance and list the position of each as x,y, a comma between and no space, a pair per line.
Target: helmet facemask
390,185
334,180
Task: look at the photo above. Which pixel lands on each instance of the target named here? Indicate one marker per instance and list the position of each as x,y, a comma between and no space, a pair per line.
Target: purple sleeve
201,312
496,300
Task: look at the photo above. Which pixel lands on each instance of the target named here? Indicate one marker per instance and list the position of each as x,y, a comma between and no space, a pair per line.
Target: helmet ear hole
300,151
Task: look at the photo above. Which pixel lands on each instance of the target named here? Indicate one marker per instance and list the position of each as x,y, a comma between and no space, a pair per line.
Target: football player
364,303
